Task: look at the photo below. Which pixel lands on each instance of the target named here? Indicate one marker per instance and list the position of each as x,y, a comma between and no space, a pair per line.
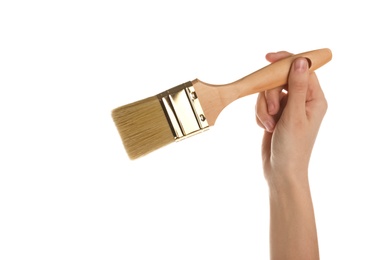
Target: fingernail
300,64
269,126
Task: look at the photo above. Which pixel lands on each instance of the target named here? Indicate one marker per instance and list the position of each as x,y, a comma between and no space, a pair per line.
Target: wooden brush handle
214,98
276,74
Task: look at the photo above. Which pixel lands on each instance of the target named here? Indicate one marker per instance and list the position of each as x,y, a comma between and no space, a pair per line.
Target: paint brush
193,107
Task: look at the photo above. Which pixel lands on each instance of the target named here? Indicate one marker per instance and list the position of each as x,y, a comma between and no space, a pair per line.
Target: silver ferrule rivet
193,95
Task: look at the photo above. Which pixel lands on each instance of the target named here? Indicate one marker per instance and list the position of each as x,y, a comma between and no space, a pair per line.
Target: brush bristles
142,126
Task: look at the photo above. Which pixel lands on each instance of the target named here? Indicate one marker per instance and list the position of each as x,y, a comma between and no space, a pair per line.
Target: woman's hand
291,116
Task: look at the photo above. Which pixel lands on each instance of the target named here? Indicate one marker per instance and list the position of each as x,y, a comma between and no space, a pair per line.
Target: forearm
293,232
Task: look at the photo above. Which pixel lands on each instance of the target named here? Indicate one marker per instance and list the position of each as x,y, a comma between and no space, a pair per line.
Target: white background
67,188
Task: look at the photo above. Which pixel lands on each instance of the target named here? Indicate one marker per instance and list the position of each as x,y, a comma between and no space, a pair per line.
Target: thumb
298,82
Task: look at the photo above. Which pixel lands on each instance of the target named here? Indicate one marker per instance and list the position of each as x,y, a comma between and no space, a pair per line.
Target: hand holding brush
192,107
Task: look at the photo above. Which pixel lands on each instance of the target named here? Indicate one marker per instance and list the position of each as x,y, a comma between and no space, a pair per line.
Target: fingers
272,98
263,118
268,102
298,84
275,56
306,98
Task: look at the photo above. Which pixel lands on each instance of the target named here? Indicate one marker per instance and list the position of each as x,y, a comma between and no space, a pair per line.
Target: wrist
287,182
290,195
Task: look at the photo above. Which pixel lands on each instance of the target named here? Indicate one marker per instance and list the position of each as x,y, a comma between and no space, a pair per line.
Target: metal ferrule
183,111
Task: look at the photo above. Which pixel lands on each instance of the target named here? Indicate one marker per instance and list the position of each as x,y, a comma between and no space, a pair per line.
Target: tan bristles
142,126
